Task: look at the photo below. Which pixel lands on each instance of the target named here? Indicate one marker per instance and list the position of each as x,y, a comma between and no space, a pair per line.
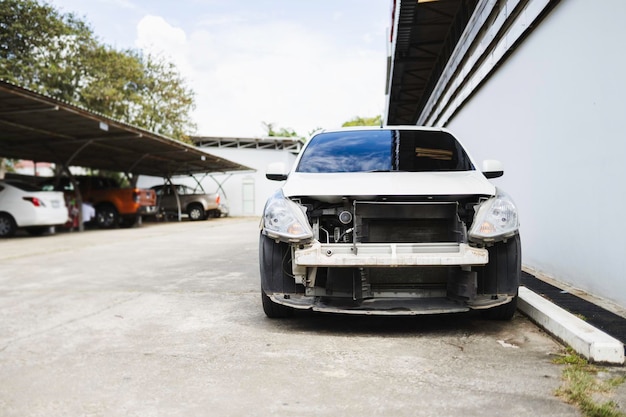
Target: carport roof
426,32
42,129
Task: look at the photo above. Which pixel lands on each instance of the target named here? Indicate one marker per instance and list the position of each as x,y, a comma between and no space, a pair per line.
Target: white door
248,196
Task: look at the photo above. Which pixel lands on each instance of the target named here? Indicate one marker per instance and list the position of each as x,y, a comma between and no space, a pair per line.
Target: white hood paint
332,186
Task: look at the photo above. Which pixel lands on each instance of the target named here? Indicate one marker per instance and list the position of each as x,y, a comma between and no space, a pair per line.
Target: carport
42,129
427,34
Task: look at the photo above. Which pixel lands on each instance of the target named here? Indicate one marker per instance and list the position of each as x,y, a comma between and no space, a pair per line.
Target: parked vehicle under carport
114,204
26,206
197,205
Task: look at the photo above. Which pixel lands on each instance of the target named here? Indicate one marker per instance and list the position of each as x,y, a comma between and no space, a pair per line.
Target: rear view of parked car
114,204
389,221
23,205
197,205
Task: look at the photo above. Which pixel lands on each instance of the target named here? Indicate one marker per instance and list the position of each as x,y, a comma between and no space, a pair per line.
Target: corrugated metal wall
553,112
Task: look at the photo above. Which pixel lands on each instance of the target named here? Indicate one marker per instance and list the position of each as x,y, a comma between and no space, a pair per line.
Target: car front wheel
503,312
274,310
502,276
106,216
274,260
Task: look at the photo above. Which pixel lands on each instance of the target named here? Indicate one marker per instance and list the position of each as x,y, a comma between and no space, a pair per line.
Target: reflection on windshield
384,150
348,152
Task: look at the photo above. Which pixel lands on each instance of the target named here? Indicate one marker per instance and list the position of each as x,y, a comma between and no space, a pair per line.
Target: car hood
331,187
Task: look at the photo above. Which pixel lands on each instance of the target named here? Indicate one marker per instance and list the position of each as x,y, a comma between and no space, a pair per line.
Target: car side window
419,151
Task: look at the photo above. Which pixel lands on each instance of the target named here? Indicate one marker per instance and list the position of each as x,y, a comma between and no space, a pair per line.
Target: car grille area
381,222
428,225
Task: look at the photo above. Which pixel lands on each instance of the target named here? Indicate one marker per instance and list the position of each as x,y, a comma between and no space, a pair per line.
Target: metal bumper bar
388,255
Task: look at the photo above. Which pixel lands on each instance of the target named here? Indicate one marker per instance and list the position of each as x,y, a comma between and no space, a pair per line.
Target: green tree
272,130
167,101
364,121
43,50
58,55
314,131
110,86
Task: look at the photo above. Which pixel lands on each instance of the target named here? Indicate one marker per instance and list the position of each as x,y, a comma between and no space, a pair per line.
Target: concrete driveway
166,320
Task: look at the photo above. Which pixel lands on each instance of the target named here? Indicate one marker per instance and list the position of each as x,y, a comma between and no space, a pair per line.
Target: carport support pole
219,184
78,196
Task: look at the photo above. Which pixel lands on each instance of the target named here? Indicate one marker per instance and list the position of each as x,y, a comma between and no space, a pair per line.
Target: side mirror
276,171
492,168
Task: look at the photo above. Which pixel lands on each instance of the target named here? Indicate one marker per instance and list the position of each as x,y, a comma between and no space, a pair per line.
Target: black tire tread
103,209
273,259
502,312
273,310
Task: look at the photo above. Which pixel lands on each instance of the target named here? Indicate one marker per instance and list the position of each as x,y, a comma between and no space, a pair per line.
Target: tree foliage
58,55
272,130
364,121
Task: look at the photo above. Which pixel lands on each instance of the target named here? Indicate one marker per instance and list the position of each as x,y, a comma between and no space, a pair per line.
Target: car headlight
285,220
495,219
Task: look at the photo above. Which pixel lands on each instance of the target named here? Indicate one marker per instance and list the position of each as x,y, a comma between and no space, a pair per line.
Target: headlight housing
495,219
285,220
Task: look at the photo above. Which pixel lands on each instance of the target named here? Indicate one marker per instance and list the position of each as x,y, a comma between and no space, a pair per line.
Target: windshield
384,150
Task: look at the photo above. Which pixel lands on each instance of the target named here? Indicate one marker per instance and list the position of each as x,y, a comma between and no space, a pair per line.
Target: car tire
503,312
502,276
274,310
273,258
7,225
196,212
107,216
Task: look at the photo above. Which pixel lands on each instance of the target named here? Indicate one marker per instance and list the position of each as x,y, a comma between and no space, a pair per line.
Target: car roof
385,127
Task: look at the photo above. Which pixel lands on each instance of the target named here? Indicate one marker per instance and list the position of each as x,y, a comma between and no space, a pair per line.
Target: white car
24,206
389,221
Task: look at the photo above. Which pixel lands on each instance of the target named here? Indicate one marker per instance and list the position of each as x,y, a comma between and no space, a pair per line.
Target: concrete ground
166,320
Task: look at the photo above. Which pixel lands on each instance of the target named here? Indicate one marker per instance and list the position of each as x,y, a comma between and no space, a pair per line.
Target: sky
295,64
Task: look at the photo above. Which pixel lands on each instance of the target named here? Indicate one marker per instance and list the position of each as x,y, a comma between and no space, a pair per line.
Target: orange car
115,205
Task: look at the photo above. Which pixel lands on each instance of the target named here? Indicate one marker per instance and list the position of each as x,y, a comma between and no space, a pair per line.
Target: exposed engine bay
388,249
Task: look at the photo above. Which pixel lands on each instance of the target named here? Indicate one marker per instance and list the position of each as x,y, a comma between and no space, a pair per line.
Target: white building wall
233,184
553,113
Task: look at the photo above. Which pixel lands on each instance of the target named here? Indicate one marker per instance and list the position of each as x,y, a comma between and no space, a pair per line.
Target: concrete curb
585,339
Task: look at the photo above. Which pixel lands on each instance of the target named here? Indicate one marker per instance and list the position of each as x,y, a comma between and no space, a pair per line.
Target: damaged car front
389,221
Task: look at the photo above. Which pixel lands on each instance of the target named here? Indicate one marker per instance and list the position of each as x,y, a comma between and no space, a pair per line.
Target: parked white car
23,205
389,221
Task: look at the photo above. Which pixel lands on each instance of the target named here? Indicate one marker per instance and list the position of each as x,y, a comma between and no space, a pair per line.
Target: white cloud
271,71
